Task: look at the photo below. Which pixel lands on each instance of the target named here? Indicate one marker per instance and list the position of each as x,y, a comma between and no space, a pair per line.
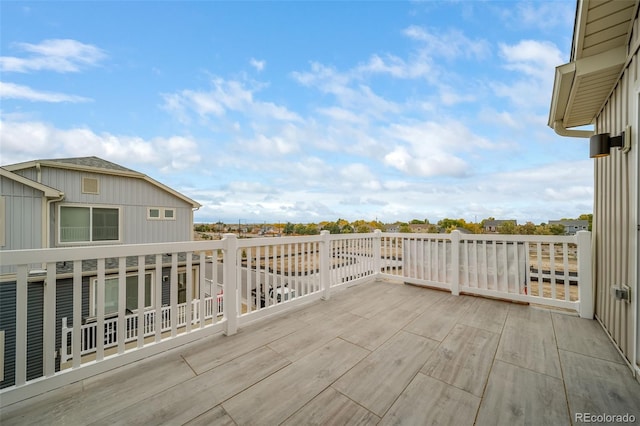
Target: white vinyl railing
89,331
258,277
547,270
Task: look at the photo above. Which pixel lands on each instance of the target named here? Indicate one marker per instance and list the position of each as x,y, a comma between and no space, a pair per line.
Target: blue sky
303,111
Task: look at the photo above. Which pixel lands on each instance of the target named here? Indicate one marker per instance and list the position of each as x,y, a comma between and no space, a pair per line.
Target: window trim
195,285
3,221
91,241
161,213
94,284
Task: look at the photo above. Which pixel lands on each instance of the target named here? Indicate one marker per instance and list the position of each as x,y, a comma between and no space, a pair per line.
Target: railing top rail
490,237
520,238
61,254
276,241
352,236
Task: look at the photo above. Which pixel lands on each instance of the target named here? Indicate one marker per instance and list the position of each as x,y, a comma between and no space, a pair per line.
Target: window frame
195,278
91,240
94,284
162,211
3,221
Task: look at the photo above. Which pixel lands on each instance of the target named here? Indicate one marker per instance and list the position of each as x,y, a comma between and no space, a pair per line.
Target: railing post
455,262
230,284
325,271
377,253
585,279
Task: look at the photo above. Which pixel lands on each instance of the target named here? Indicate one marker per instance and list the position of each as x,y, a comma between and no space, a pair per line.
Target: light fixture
601,144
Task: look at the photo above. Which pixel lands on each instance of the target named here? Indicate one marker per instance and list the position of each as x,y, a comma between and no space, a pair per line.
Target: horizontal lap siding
615,201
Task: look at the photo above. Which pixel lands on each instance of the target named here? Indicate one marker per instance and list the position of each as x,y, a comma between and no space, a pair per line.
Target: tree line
343,226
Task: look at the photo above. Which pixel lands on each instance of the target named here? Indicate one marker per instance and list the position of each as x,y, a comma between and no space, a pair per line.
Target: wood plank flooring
377,353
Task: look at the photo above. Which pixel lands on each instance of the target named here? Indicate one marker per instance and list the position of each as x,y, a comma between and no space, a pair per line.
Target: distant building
571,226
392,227
493,225
419,228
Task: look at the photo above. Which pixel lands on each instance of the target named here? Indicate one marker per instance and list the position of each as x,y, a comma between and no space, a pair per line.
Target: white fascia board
48,191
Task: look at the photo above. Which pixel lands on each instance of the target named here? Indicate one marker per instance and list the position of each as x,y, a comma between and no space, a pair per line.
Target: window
90,185
131,298
3,221
161,213
182,285
87,224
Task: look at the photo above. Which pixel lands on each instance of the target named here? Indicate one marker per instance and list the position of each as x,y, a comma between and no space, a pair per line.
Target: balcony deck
376,353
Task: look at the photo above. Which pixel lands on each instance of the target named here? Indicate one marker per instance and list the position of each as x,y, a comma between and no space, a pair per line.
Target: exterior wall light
601,144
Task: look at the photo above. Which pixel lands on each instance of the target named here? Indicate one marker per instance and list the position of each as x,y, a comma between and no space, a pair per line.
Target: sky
303,111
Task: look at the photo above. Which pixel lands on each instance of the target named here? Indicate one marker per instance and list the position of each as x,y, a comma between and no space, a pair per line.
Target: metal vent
89,185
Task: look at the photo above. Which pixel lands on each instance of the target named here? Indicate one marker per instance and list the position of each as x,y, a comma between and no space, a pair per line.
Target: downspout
562,131
38,173
47,228
191,228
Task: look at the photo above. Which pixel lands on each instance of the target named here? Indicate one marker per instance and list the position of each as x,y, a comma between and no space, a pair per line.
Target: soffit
599,54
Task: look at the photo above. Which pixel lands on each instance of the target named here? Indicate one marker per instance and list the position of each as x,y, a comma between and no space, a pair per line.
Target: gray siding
64,308
615,209
132,195
23,210
34,330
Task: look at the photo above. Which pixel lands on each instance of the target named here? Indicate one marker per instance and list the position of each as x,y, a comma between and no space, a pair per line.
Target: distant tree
404,227
556,229
363,229
346,229
377,225
507,227
312,229
332,227
449,225
289,228
527,229
417,222
474,228
588,217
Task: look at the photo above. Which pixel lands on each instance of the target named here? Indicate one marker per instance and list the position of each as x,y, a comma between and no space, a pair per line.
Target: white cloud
452,44
258,65
545,15
17,91
225,96
59,55
533,58
419,66
26,140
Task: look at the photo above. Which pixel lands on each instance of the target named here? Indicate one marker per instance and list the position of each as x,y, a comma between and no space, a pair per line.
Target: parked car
276,295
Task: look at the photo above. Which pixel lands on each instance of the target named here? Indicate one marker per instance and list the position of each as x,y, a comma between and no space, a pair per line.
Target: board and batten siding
133,195
23,208
616,217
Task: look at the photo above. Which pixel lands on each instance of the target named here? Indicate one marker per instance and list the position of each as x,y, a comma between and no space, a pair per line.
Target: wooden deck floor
378,353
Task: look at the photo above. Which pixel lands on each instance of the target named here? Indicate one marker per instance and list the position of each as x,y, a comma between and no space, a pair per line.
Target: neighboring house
571,226
600,86
419,228
393,227
493,225
87,201
90,201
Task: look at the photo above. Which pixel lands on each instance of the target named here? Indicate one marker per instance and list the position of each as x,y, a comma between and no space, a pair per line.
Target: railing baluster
76,337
